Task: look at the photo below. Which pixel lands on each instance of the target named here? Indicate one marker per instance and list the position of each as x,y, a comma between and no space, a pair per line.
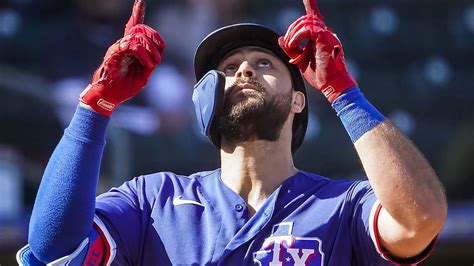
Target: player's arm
64,208
414,206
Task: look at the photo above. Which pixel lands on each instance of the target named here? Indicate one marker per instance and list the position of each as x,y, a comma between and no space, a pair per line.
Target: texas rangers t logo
282,248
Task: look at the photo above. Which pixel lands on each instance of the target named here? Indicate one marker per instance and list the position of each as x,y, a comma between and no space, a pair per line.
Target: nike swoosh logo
180,201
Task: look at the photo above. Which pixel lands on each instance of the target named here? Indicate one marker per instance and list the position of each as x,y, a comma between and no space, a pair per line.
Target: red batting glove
127,65
322,59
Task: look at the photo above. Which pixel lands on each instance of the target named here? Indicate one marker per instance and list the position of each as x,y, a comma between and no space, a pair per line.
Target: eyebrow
250,49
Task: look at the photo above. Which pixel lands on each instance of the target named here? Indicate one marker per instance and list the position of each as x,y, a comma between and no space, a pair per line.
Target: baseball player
258,208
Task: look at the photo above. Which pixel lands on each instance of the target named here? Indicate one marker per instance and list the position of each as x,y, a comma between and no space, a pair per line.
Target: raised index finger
312,8
137,17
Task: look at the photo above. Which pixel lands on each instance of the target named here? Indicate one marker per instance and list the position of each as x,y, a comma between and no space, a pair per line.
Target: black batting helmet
222,41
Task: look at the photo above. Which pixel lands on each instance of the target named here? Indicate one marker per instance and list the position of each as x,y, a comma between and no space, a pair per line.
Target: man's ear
298,102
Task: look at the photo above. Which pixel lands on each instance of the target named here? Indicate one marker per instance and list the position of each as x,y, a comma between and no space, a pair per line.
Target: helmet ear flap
208,99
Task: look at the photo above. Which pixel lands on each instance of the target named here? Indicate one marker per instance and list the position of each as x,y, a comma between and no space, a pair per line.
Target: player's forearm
414,206
401,177
64,207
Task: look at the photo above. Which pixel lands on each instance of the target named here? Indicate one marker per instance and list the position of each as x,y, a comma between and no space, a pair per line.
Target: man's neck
255,169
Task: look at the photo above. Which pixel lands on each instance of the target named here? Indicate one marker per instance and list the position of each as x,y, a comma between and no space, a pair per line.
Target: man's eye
230,69
264,63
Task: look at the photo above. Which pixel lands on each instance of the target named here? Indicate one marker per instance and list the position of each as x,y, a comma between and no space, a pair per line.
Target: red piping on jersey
385,254
97,248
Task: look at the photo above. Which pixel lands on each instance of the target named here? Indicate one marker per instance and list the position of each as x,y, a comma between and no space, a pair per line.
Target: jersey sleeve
97,249
117,233
120,221
25,257
364,228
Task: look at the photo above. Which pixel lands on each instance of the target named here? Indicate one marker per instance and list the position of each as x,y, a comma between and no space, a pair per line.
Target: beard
253,115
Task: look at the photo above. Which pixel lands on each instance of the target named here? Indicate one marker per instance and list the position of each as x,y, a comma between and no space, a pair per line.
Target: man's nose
245,70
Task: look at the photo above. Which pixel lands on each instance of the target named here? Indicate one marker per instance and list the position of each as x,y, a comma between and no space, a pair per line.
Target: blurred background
413,60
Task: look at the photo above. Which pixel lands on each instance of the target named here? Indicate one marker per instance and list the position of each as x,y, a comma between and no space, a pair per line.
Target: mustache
247,80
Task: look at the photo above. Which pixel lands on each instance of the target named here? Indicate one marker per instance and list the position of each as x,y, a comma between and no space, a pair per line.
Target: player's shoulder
160,185
166,175
171,180
342,186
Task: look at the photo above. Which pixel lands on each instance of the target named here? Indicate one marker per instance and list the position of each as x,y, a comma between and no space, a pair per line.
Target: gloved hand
127,65
322,59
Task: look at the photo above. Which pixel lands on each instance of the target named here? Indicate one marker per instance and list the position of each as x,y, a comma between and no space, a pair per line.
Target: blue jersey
169,219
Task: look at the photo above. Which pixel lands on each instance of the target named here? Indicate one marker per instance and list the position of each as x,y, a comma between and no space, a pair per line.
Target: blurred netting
412,59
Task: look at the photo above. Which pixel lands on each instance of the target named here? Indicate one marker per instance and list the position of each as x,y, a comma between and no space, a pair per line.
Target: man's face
258,95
